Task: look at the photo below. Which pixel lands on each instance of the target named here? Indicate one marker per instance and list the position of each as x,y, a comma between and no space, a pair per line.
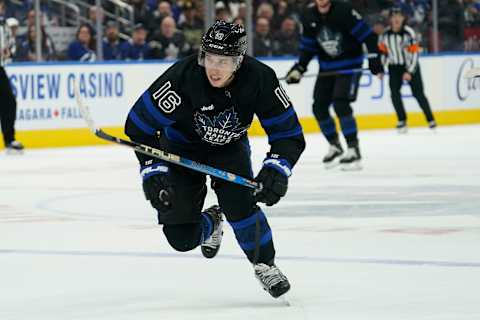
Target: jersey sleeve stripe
157,115
140,124
278,119
365,34
357,27
285,134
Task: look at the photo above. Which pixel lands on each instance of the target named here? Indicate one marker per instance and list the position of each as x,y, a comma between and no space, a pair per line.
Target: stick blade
84,111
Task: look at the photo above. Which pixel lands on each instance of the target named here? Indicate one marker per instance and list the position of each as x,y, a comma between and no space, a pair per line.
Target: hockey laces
270,276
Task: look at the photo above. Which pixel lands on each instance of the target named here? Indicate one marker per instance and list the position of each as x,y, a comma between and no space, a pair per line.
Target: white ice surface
398,240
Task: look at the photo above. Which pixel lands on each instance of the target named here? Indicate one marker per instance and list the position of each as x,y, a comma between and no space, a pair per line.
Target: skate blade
331,164
284,300
354,166
402,131
14,152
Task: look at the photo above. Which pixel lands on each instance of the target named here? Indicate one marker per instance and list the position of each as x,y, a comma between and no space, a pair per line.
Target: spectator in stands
136,48
111,43
262,40
164,9
451,25
265,10
287,38
192,25
141,13
242,11
282,11
83,48
26,50
221,11
169,43
92,16
13,24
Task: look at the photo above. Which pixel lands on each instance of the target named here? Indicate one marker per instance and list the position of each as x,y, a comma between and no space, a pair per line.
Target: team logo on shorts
222,129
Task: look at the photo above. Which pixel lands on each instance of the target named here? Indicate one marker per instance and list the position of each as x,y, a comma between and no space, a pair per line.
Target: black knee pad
183,237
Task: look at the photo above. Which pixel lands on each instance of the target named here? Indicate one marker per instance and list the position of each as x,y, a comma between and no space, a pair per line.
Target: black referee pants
416,84
8,108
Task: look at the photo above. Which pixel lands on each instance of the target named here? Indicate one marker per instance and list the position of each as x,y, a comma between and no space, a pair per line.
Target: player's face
219,69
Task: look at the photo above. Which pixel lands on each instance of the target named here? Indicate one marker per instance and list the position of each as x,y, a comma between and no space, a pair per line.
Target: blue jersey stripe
141,124
357,27
157,115
285,134
364,35
278,119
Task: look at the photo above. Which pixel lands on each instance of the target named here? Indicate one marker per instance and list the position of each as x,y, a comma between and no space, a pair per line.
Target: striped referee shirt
7,42
400,48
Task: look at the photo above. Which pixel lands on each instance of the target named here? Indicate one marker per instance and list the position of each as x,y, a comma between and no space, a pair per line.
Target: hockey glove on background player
375,65
295,74
274,179
156,185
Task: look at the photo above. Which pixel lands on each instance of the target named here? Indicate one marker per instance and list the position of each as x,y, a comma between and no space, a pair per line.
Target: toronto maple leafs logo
224,128
330,41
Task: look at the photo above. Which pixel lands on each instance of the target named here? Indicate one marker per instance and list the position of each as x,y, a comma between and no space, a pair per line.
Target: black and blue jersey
184,108
335,37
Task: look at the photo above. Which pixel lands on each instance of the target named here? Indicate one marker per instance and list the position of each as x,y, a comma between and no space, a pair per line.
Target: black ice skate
352,160
333,155
211,245
14,147
271,279
402,127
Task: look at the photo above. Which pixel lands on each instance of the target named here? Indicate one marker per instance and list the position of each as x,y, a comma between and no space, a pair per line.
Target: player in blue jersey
201,108
335,32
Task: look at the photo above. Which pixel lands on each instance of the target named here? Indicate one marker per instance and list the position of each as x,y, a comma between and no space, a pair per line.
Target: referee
8,105
400,49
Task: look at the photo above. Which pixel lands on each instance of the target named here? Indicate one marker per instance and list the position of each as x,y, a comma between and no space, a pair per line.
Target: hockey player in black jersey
201,108
335,32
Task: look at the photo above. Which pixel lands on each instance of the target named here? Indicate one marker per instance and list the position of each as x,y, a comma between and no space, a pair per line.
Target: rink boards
47,114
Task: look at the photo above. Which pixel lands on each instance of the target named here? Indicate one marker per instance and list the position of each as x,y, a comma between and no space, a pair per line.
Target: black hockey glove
295,74
375,65
156,185
274,179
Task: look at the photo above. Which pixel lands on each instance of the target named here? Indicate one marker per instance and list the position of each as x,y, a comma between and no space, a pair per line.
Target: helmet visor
219,62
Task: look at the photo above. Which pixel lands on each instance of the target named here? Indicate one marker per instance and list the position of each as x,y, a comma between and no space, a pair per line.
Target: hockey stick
331,73
472,73
163,155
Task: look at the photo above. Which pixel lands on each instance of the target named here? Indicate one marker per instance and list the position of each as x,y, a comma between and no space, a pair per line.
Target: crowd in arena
172,29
